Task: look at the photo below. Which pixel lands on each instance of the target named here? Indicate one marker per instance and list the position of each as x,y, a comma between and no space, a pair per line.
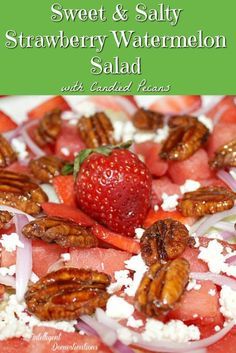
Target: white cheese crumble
34,278
118,308
20,148
136,264
189,185
174,330
228,302
193,285
213,256
122,279
65,151
66,256
15,322
139,233
207,122
156,208
162,134
132,322
217,328
11,241
125,335
212,292
169,202
4,271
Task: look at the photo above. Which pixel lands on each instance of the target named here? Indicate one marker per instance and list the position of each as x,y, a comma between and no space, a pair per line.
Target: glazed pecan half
148,120
61,231
181,120
46,168
164,240
184,140
7,154
68,293
206,200
97,130
48,129
225,156
5,217
18,190
162,287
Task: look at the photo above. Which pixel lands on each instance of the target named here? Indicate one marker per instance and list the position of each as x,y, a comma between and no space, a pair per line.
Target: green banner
112,47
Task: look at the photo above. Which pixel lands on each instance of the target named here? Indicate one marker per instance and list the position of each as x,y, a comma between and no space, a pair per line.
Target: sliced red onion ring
219,113
208,102
9,135
226,226
56,265
231,260
227,179
28,140
23,259
220,280
15,211
209,221
166,346
8,281
107,335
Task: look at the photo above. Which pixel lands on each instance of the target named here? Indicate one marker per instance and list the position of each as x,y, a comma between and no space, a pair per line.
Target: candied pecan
61,231
5,218
184,141
148,120
181,120
68,293
162,287
48,129
225,156
7,154
17,190
164,240
97,130
46,168
206,200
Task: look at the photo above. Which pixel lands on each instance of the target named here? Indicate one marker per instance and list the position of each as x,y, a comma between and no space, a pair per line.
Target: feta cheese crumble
228,302
207,122
118,308
212,292
136,264
11,241
122,279
169,202
20,148
139,233
132,322
15,322
193,285
66,256
189,185
162,134
174,330
10,271
213,256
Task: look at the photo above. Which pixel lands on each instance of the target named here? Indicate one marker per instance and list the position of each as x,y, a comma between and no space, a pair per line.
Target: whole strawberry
113,187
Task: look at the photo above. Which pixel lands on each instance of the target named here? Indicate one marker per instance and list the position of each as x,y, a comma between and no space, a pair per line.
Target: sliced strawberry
68,143
150,151
154,216
68,212
98,259
56,102
196,167
6,123
176,104
222,134
64,187
164,185
117,240
198,306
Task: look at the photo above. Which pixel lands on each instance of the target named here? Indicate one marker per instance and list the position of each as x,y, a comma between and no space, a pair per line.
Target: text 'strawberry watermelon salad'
117,224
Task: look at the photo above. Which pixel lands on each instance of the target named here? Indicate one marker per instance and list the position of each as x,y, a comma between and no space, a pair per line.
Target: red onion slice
220,280
231,260
8,281
15,211
28,140
23,259
227,179
225,226
209,221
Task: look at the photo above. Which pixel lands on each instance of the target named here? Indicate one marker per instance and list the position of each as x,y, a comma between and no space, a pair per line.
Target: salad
117,225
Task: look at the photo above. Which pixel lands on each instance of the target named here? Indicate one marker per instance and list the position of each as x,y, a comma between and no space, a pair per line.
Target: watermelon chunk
44,255
224,111
49,105
196,265
222,134
195,167
68,143
164,185
14,345
104,260
6,123
150,152
198,306
176,104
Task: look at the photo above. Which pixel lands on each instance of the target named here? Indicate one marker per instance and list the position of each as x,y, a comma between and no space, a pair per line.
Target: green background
190,71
